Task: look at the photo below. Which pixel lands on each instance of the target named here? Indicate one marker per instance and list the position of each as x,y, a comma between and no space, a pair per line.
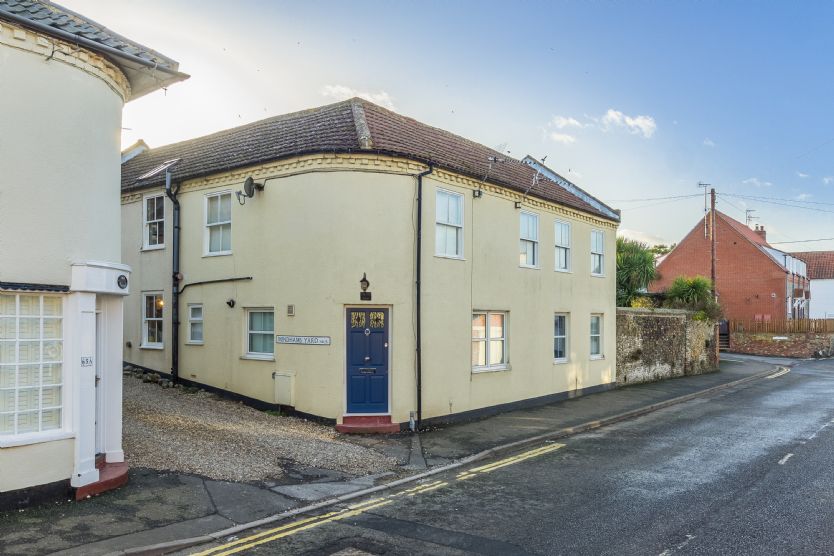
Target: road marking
669,551
734,360
276,533
785,459
777,375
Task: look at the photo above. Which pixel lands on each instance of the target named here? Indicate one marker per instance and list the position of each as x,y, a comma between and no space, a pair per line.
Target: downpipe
415,425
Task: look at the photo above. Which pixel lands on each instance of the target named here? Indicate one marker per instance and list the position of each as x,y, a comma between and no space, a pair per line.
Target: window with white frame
260,332
152,311
31,362
219,223
596,336
195,323
562,234
154,222
597,253
560,337
449,224
529,240
489,340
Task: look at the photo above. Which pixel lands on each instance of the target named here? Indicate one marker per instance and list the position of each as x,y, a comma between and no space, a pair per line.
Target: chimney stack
761,231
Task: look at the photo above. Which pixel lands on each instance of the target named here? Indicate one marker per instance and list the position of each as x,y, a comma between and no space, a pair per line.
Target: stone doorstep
111,476
367,424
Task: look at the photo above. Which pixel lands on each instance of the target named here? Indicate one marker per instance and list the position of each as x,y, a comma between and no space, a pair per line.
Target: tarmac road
747,471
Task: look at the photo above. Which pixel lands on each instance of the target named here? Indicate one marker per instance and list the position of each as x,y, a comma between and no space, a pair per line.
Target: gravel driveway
170,430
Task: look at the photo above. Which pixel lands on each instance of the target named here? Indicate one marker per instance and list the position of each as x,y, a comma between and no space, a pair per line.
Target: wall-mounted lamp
231,303
518,204
478,193
249,188
364,283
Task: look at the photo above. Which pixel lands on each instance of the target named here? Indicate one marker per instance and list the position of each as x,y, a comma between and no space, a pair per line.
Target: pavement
156,507
746,470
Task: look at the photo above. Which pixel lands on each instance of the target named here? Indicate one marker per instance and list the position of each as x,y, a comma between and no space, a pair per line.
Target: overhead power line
674,197
802,240
787,203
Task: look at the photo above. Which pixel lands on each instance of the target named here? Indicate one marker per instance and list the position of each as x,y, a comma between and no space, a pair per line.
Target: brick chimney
761,231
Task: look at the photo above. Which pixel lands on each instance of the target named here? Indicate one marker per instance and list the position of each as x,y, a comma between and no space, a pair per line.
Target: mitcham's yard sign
304,340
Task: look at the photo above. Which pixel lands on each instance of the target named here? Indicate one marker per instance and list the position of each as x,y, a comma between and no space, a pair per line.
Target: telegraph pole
712,241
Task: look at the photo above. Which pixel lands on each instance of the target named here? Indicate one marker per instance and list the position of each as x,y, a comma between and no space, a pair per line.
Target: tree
695,294
635,269
662,249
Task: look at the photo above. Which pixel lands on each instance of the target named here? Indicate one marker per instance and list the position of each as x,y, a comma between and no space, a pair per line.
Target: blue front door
367,360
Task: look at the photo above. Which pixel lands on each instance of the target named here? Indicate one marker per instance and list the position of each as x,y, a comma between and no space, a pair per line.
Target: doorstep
110,476
367,424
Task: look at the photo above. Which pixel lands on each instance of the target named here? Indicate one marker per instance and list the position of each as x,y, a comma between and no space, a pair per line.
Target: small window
449,225
596,336
154,222
152,312
260,332
195,324
560,337
219,224
562,246
31,364
529,252
489,341
597,253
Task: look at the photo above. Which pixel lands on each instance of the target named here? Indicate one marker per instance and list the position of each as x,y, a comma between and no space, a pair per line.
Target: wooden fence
783,326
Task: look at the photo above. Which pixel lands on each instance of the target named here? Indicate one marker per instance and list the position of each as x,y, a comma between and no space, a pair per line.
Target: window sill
451,257
533,267
597,357
34,438
563,270
158,347
480,370
253,357
217,254
597,275
561,361
194,343
153,247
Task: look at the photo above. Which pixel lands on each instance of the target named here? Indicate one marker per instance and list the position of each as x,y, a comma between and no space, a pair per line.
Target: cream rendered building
382,272
62,280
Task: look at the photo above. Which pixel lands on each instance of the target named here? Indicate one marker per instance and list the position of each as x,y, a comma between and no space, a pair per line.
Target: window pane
29,328
6,400
213,210
28,375
594,325
196,311
442,207
52,328
160,207
256,320
6,424
269,321
225,207
479,326
559,351
595,345
226,243
150,209
260,343
27,399
559,325
496,352
7,305
7,375
455,210
7,352
160,233
8,328
452,241
51,419
27,422
215,239
52,373
149,308
52,396
496,325
29,352
30,305
197,331
478,354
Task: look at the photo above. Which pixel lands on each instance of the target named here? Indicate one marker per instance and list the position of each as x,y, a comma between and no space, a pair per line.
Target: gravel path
171,430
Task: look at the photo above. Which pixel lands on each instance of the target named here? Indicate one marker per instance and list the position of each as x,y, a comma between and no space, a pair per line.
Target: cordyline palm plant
635,269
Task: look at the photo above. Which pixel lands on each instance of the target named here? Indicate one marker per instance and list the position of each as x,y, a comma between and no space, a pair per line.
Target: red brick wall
796,345
745,277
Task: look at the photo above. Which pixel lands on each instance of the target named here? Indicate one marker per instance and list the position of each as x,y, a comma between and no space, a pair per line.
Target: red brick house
754,280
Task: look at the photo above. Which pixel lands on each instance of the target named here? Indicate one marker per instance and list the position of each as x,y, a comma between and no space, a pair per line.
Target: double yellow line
311,522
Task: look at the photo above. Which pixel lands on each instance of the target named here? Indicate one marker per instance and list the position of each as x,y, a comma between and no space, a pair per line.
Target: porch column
112,313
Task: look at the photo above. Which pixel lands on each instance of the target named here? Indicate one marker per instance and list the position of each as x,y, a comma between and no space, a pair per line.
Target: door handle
367,358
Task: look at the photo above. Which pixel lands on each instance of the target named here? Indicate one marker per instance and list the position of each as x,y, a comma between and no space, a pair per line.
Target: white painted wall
822,299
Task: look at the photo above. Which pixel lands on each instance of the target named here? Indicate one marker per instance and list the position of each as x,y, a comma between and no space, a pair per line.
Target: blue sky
631,100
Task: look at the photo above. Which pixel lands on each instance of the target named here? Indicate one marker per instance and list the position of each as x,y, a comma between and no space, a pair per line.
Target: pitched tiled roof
67,25
743,229
820,264
353,125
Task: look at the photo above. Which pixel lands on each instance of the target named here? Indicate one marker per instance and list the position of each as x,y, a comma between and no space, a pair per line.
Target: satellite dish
249,187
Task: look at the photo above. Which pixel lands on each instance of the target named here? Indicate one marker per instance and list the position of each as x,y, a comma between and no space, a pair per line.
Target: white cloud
803,196
709,142
638,125
561,122
756,182
828,180
563,138
802,175
343,92
642,237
